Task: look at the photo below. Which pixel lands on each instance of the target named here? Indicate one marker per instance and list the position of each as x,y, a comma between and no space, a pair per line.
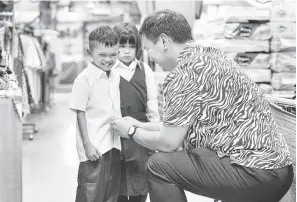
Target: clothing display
21,77
10,85
260,38
21,65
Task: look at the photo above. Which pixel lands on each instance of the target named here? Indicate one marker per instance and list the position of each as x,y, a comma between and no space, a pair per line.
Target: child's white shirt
99,96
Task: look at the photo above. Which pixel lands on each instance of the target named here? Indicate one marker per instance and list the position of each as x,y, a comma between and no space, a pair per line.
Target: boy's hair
128,33
104,35
171,23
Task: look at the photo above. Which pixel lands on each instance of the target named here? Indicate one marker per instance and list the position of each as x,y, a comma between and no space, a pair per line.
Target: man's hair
128,33
171,23
104,35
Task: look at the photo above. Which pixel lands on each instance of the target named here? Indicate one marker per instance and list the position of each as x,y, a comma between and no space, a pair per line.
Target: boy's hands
92,152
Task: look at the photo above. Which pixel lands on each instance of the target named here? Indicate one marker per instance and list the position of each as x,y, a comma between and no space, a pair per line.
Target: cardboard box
251,60
283,62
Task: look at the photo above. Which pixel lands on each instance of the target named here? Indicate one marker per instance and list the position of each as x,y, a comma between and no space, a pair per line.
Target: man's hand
120,126
131,121
92,152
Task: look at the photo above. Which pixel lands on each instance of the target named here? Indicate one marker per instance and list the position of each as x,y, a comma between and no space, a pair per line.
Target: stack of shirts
283,47
283,64
242,30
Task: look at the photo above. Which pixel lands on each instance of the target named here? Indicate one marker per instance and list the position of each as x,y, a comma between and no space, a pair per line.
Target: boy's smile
103,56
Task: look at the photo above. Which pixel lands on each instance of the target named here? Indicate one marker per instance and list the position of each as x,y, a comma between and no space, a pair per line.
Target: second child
138,100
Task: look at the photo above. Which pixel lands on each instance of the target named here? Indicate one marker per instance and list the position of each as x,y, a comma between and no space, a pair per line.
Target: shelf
6,13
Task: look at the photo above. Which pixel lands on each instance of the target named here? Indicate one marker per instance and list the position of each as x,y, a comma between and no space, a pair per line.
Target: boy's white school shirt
99,96
127,73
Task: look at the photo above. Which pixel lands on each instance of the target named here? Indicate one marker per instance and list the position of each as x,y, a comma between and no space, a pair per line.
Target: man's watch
132,131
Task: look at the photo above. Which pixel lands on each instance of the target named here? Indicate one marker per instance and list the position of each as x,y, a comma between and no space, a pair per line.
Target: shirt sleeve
79,95
152,112
182,101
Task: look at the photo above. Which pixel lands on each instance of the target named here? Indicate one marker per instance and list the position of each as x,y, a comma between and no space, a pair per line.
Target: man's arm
152,110
168,139
150,126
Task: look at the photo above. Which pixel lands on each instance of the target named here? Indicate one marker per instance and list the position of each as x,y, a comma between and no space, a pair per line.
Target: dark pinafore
133,155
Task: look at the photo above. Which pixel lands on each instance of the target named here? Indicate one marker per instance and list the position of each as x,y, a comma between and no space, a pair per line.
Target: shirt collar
97,72
131,67
185,50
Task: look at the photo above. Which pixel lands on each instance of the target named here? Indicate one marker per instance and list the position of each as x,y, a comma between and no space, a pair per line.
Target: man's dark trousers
202,172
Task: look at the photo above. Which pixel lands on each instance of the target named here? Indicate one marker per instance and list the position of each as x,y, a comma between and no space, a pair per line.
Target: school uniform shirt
224,110
127,73
99,96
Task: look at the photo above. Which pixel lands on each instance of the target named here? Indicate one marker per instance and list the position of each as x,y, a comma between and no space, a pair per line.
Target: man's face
103,56
157,53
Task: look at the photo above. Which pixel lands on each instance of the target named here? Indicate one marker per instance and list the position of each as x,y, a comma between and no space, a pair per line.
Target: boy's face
104,56
127,53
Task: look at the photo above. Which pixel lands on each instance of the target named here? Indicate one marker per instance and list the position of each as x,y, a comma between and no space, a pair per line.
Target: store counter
10,152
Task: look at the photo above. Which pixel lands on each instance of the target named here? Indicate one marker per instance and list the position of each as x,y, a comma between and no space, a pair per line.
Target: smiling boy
95,98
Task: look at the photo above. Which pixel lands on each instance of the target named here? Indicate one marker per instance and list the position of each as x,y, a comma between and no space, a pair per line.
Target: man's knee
156,163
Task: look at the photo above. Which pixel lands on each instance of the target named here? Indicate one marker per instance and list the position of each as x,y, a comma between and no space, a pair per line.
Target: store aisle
47,175
49,161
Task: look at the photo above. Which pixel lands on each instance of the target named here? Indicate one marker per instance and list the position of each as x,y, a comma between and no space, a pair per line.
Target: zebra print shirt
224,109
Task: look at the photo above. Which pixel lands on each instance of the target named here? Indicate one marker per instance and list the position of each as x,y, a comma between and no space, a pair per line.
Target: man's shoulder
173,81
202,59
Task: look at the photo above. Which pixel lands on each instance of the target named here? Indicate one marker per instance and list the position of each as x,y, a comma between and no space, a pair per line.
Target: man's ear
165,40
89,52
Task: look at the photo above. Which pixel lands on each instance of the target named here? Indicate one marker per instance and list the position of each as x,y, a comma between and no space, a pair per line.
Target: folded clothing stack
242,30
283,47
